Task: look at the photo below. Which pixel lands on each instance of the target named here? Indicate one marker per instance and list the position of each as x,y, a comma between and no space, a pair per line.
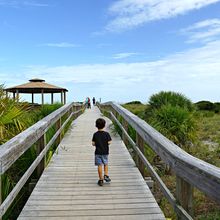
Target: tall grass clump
13,117
172,115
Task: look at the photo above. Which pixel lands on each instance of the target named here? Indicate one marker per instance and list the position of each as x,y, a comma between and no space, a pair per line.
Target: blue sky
120,50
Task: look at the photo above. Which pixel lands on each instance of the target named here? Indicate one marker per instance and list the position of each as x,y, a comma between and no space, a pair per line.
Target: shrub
172,98
175,123
217,107
133,103
172,114
45,110
205,105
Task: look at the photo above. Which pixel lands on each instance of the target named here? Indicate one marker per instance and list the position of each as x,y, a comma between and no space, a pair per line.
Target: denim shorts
101,159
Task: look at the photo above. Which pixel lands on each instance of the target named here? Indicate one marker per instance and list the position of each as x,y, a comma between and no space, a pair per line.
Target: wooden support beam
58,126
184,194
62,97
42,97
52,98
140,144
41,143
32,98
14,95
125,126
17,95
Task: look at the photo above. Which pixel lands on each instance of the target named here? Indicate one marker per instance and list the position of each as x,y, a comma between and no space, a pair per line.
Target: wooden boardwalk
68,187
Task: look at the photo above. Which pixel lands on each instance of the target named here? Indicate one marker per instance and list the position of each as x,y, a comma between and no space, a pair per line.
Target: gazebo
38,86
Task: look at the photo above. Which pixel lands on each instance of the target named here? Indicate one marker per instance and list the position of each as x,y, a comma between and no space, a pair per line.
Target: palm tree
12,117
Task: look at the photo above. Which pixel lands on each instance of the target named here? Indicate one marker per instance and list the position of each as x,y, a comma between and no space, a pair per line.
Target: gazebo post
17,95
42,97
52,98
32,98
14,95
64,97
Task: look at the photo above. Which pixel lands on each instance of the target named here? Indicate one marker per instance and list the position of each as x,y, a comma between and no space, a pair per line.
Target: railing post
74,109
58,126
184,194
125,126
140,144
115,113
41,143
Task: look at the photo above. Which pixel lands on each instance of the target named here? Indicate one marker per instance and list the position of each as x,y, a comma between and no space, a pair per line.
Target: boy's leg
105,161
106,170
100,172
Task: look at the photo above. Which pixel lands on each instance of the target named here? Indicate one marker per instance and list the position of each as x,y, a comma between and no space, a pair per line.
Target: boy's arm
93,140
109,139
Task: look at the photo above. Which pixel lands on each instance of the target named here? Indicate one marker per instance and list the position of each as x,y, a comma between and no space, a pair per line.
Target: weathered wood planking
68,187
199,173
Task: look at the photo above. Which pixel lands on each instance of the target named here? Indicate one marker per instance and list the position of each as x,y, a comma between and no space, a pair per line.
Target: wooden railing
190,171
11,151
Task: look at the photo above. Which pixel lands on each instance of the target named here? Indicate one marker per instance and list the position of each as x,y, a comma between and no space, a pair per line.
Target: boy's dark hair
100,123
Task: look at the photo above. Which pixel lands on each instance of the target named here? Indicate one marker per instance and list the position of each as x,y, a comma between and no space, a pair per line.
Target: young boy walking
101,140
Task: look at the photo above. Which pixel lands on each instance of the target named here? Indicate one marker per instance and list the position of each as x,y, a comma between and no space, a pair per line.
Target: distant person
93,100
86,103
89,103
101,140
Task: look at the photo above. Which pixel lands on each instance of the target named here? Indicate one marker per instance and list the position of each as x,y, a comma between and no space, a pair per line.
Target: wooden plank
101,217
95,212
74,193
89,198
51,202
90,206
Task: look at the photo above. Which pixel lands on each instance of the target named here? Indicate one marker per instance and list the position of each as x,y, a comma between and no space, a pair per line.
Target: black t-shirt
101,139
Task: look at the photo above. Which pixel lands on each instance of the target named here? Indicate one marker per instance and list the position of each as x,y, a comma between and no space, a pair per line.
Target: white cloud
195,72
129,14
61,45
203,31
123,55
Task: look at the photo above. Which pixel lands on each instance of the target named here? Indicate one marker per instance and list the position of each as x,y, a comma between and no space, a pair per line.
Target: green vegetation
193,127
208,106
160,99
172,115
136,107
14,118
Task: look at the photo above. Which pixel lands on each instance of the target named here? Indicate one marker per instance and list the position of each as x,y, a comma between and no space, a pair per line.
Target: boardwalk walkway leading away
68,187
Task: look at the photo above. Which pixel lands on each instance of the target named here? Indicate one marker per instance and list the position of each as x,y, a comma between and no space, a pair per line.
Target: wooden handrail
14,148
191,170
179,209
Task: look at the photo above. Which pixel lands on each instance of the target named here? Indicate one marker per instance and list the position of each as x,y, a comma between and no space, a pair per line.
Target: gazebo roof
36,86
